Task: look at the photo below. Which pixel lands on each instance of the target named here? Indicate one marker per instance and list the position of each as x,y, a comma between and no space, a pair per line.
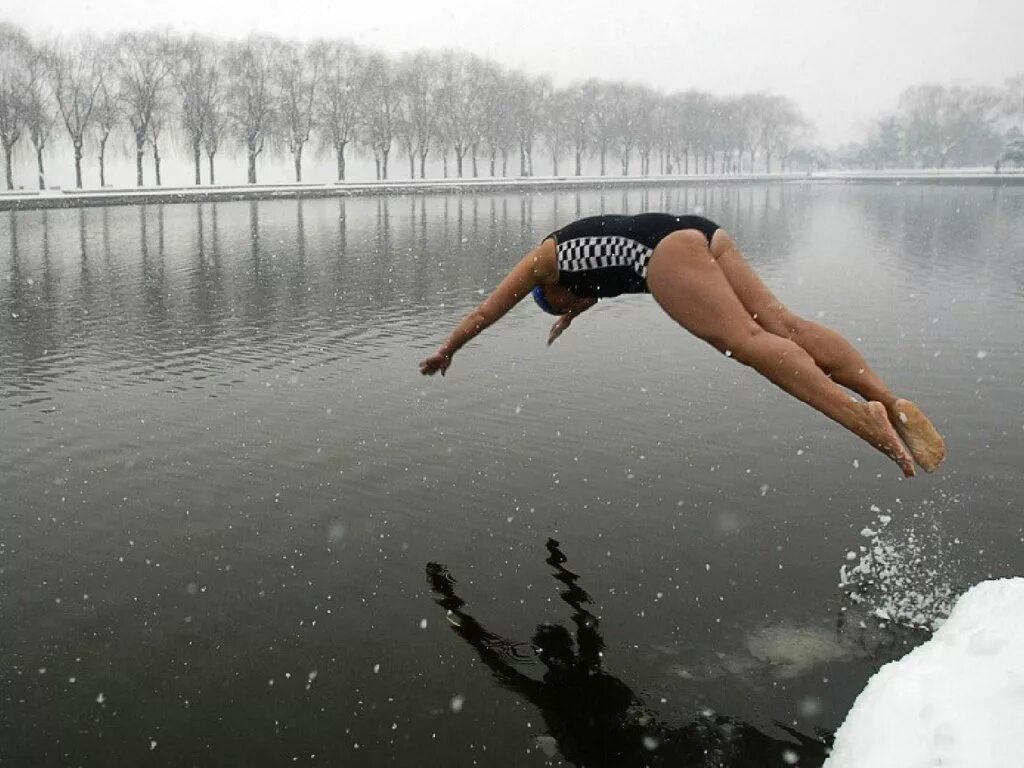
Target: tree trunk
412,166
376,160
339,153
298,164
423,165
9,166
602,160
212,178
522,160
156,162
197,159
767,162
384,163
252,164
504,163
473,157
140,151
458,162
554,163
579,163
444,163
42,171
103,161
78,164
494,161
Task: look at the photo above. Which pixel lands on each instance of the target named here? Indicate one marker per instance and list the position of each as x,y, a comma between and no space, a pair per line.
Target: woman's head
554,299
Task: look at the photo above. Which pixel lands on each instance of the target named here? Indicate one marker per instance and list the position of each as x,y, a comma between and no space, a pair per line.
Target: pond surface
239,528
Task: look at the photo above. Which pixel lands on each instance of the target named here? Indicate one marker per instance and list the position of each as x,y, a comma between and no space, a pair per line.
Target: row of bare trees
265,95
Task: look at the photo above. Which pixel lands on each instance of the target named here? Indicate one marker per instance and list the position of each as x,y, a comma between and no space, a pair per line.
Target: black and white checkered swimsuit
603,256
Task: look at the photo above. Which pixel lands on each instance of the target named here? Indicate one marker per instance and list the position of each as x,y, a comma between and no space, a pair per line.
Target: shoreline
22,200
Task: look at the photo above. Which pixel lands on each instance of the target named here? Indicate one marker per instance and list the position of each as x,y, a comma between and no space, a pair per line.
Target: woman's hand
579,306
558,328
439,361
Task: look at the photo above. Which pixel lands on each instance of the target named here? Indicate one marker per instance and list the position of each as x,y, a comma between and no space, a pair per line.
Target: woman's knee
740,343
721,243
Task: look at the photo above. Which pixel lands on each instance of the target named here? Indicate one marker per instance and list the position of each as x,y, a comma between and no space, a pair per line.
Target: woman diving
698,276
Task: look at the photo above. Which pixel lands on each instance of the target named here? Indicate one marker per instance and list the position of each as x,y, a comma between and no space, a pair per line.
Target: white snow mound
957,701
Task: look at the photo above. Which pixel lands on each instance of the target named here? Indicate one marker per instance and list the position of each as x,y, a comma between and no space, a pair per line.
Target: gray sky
842,61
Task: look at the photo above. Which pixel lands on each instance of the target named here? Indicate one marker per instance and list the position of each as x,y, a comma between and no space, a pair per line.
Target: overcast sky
842,61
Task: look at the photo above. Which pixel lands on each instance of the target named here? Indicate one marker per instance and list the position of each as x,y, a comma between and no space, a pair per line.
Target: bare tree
338,109
556,129
578,103
454,99
144,66
40,112
198,82
298,74
626,108
380,114
497,133
76,82
778,120
15,52
529,97
646,127
417,82
216,125
251,111
107,115
602,119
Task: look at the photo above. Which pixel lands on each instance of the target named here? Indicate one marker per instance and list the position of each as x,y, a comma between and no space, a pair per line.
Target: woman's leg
836,356
687,282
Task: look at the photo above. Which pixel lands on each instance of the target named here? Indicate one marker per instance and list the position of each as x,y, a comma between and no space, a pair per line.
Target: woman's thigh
686,280
757,299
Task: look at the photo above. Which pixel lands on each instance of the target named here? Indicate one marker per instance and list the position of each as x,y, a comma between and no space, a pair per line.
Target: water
240,528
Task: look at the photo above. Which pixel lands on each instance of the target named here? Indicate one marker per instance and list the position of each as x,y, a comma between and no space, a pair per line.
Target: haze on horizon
844,63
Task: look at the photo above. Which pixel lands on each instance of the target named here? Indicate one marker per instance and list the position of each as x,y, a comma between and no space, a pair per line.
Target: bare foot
921,437
888,440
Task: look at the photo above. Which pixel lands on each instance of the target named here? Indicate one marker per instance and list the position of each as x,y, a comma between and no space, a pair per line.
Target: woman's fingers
556,330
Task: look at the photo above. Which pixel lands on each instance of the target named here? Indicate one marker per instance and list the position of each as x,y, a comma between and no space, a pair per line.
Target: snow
957,701
58,198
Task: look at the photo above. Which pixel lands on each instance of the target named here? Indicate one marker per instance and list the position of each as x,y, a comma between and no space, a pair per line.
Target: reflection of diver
593,716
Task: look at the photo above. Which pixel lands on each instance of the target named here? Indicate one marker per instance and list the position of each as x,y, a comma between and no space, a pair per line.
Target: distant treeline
936,126
264,95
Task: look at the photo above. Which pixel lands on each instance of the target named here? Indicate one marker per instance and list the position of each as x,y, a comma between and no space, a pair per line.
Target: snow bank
957,701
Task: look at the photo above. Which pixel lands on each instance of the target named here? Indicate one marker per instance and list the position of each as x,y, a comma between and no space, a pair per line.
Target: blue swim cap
542,301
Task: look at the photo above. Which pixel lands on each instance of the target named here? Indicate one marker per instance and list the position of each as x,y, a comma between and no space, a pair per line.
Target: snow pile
904,574
957,701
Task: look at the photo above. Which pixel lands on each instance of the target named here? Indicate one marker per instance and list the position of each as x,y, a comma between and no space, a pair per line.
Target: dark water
234,515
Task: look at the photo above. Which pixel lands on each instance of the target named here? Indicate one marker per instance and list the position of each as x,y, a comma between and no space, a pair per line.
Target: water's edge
41,199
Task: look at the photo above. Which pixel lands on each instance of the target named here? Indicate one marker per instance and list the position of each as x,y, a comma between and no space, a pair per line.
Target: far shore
20,200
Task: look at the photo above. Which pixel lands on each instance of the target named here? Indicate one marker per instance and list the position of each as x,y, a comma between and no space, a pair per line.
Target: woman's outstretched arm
537,266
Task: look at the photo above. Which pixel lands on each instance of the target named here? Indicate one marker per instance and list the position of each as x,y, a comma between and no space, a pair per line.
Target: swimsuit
607,255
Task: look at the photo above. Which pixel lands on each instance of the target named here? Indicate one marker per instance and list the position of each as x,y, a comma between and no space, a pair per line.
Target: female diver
698,276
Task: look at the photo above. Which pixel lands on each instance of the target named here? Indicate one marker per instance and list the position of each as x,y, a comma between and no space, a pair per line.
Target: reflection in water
594,717
176,276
